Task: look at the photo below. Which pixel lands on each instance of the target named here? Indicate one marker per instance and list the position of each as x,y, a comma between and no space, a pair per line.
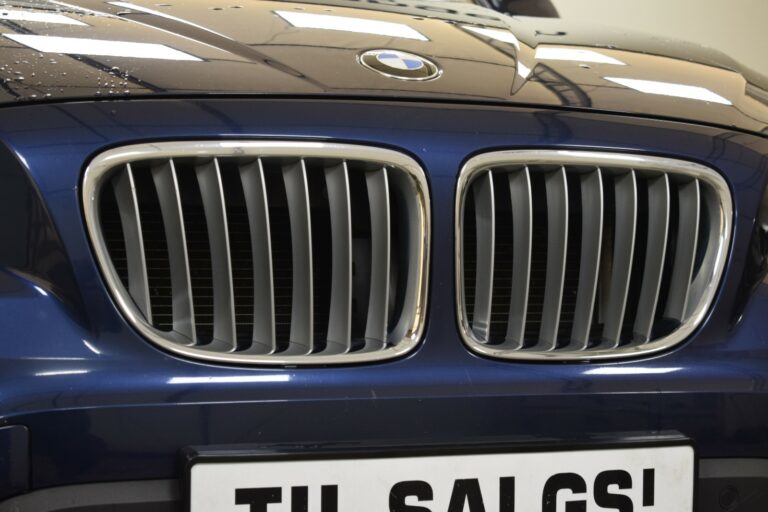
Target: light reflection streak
691,92
350,24
230,379
99,47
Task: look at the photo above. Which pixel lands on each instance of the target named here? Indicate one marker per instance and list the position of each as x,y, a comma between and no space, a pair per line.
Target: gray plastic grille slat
485,218
557,243
408,209
655,252
592,207
257,206
689,204
302,309
625,189
522,226
214,205
169,196
340,201
378,300
130,218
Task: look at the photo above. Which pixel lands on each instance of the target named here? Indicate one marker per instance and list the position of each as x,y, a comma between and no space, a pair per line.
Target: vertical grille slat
485,218
302,314
273,253
522,225
625,190
557,242
655,253
689,204
592,208
169,196
257,206
340,202
598,255
212,193
130,218
378,299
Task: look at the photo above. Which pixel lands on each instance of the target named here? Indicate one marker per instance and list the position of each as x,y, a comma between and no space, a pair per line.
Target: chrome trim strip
215,208
486,248
130,219
340,201
485,161
625,192
556,185
97,171
521,197
167,186
301,339
689,204
655,256
592,211
257,206
381,238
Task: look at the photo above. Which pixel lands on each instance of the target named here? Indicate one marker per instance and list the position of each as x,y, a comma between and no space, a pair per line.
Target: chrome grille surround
558,165
405,178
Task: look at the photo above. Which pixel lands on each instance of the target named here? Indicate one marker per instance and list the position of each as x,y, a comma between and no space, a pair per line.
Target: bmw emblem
400,65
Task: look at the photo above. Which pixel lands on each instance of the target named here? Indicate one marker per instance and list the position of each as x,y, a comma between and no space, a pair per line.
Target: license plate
647,479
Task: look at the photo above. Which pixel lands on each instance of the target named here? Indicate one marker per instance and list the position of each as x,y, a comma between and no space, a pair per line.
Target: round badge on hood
400,65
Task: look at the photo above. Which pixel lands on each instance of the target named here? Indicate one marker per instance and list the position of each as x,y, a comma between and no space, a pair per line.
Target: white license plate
646,479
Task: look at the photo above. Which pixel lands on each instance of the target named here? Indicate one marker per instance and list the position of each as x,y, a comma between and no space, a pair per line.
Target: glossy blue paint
101,404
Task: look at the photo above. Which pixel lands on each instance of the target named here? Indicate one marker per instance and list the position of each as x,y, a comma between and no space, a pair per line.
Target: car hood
54,50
